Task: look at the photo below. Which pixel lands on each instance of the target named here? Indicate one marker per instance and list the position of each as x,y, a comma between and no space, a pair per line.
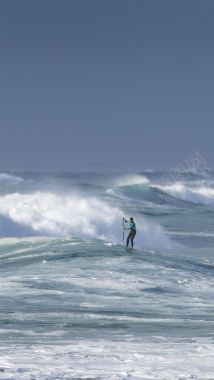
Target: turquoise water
76,304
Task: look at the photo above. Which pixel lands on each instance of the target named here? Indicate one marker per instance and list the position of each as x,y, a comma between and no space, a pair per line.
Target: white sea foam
199,195
55,215
158,359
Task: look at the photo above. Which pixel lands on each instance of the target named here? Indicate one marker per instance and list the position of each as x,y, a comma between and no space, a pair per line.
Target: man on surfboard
132,232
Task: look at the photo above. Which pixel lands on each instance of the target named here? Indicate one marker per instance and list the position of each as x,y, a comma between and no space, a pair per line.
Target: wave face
91,206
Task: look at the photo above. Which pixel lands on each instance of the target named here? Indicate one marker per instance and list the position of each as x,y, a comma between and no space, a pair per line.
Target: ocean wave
176,194
197,195
7,178
50,214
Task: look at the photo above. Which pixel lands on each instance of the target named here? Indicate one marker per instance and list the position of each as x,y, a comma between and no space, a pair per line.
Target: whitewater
76,304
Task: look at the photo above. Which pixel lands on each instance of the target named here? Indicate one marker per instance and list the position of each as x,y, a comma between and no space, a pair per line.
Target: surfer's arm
125,222
131,226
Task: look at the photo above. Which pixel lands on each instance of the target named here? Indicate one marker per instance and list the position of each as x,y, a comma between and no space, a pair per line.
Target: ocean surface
76,304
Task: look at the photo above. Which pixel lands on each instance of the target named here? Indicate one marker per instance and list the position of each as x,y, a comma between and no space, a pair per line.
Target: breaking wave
54,215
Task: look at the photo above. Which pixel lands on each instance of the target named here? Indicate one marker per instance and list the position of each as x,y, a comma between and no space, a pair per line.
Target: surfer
132,232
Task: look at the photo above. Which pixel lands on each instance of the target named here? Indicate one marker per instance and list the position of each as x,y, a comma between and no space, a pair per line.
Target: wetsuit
131,234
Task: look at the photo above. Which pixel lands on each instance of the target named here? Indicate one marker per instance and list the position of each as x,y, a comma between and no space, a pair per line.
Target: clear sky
125,84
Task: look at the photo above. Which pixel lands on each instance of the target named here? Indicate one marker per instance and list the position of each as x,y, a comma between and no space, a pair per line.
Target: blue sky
123,84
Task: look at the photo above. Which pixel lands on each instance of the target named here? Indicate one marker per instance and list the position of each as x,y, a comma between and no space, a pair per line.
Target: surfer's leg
127,241
132,237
